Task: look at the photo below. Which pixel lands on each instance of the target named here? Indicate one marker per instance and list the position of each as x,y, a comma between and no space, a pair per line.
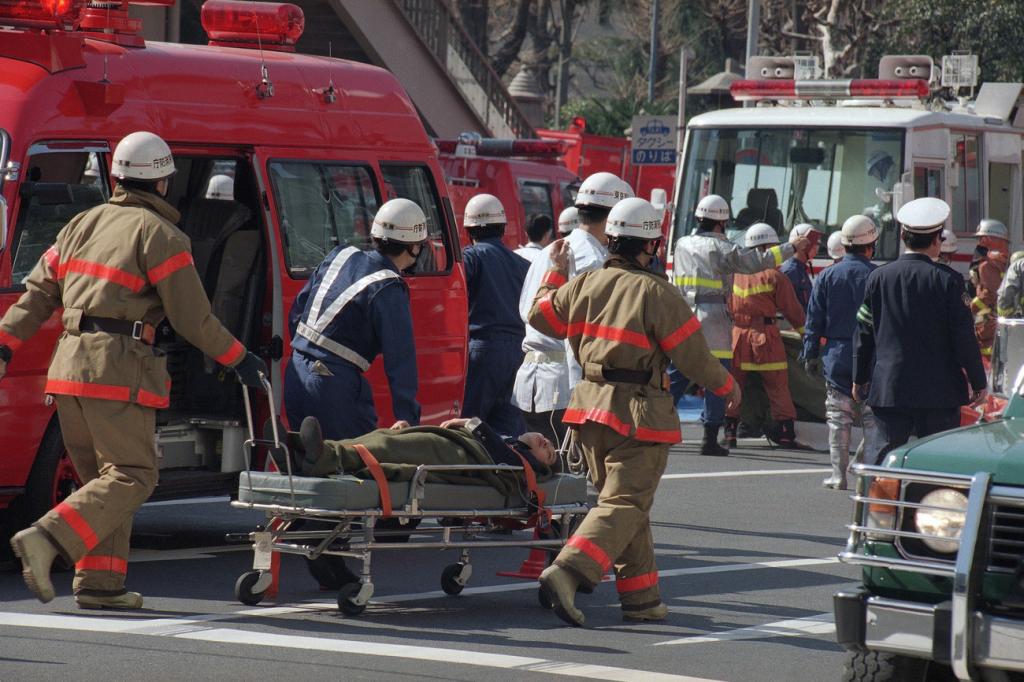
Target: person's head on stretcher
537,443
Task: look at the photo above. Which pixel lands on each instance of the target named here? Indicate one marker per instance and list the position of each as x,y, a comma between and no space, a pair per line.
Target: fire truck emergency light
268,23
497,147
41,13
753,90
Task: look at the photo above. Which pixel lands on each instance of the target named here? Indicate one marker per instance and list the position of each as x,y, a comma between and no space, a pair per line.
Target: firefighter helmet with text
761,234
400,220
603,190
568,220
142,156
859,229
712,207
483,210
634,218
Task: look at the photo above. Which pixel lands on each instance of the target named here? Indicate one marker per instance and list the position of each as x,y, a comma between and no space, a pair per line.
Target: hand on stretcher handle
246,399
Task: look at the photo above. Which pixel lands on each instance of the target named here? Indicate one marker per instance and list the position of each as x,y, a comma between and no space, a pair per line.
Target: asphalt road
745,545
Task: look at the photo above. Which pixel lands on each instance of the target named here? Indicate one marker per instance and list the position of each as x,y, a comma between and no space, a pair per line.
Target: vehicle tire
243,589
876,666
345,603
449,579
542,599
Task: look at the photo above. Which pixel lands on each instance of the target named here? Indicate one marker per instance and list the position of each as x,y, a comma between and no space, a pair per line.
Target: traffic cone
532,566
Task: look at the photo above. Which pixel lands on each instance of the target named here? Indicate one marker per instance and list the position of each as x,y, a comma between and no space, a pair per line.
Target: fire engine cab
281,157
819,151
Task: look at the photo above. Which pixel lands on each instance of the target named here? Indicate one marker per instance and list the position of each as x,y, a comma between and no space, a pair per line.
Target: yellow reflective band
982,308
986,351
1004,312
800,331
777,252
722,354
752,291
690,281
765,367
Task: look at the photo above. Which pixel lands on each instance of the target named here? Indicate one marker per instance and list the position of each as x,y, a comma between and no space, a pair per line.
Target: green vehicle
939,531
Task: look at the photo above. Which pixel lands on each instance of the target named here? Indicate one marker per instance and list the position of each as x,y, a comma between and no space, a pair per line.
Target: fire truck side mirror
902,192
659,199
3,224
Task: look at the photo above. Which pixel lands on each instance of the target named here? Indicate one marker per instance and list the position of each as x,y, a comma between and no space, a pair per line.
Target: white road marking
184,554
821,624
752,472
194,629
189,500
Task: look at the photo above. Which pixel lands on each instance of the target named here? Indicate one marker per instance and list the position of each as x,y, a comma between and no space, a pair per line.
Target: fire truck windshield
787,176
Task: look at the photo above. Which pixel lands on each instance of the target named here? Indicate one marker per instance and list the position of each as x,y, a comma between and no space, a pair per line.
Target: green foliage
612,116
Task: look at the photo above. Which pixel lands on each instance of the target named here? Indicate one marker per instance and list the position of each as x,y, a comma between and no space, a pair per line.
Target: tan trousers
113,447
618,530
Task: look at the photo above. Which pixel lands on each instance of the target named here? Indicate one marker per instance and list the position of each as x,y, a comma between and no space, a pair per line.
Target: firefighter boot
95,599
840,461
709,446
783,434
731,425
37,554
559,586
659,612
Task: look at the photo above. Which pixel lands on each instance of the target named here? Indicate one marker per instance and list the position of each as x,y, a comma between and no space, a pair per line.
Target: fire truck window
967,204
57,187
322,206
928,182
569,195
1000,192
536,199
416,184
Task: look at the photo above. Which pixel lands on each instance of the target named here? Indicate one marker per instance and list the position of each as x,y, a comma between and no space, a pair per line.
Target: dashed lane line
196,629
820,624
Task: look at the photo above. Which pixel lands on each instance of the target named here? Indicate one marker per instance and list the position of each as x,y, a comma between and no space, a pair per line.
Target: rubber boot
37,554
560,587
659,612
731,426
98,600
709,446
783,434
840,461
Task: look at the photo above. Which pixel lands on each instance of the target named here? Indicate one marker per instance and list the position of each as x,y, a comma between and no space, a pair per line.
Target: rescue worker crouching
986,277
832,315
756,341
548,374
702,268
117,270
624,324
494,282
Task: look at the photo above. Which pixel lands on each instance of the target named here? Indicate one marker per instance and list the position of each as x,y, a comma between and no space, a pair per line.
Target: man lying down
402,448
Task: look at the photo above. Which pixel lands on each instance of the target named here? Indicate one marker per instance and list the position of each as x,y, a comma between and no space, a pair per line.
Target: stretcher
431,515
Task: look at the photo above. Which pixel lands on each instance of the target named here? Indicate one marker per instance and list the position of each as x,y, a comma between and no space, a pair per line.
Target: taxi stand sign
654,140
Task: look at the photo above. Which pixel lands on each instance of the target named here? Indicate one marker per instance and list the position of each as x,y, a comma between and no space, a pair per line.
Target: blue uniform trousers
896,425
493,364
342,403
713,413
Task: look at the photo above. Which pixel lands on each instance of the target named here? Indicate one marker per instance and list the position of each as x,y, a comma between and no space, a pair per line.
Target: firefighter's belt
332,346
138,330
538,357
626,376
705,299
754,321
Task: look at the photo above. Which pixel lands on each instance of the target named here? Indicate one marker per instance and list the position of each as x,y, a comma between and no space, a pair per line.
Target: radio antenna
265,88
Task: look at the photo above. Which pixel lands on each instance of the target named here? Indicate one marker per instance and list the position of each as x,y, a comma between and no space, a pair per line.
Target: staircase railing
439,29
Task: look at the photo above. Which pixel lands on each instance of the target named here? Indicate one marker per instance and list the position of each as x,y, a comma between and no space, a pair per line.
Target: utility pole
753,30
652,72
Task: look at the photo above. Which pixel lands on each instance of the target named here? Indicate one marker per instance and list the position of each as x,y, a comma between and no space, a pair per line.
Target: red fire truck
312,146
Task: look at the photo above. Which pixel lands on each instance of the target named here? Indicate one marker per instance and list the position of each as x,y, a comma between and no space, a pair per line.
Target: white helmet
990,227
142,156
803,230
859,229
603,190
484,209
634,217
568,220
221,186
835,246
400,220
761,234
714,207
948,242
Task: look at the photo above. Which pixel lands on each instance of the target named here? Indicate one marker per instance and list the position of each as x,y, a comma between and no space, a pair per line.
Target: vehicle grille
1006,544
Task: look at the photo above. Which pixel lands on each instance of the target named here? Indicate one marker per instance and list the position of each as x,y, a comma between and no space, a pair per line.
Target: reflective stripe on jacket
702,268
757,345
125,260
623,317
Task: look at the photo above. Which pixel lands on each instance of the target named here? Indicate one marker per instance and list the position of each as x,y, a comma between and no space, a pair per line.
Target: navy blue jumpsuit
354,307
797,272
494,280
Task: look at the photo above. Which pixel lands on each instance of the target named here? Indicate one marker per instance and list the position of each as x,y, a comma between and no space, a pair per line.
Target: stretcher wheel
243,588
452,579
345,603
542,599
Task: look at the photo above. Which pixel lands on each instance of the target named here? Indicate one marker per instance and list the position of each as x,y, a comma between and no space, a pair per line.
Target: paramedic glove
249,370
813,366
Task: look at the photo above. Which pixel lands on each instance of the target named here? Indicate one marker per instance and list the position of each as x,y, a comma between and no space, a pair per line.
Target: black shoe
745,430
730,431
280,454
709,446
312,444
783,435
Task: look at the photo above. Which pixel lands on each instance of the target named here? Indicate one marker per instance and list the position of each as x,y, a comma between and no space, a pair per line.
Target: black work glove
249,370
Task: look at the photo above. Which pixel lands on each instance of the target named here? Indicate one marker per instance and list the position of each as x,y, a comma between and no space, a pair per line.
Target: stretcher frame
353,533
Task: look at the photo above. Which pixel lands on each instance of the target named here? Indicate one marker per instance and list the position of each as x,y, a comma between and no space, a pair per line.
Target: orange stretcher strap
378,475
537,495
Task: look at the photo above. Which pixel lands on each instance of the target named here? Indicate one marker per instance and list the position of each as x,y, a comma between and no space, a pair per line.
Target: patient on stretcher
400,449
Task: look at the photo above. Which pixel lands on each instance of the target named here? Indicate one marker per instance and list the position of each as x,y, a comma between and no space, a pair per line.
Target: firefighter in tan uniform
624,324
116,270
987,276
756,341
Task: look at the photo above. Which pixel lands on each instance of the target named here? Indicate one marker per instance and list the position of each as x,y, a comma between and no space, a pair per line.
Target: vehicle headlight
942,523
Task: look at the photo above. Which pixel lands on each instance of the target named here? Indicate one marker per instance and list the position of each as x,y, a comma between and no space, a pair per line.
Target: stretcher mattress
348,493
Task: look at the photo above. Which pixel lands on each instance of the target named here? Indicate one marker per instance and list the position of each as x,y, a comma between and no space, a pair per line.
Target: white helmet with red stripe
635,218
484,209
603,190
142,156
835,245
712,207
948,242
761,234
400,220
568,220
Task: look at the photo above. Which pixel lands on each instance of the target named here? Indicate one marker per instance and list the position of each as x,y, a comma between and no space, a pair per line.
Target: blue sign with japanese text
654,140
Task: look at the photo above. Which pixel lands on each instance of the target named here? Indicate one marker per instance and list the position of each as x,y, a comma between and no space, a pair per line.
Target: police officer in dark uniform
915,352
